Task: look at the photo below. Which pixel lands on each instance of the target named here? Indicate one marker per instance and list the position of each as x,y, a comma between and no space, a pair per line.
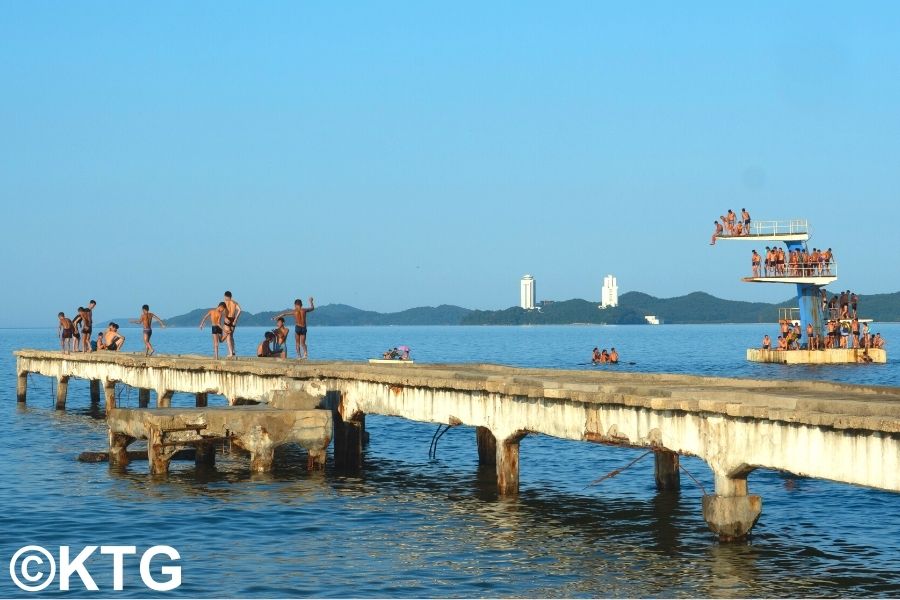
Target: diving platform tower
809,279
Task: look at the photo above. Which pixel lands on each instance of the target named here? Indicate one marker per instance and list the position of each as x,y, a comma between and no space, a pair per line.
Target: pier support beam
487,446
143,397
62,390
262,458
158,452
731,512
95,391
202,399
109,389
118,449
163,398
668,476
315,460
21,387
205,455
508,465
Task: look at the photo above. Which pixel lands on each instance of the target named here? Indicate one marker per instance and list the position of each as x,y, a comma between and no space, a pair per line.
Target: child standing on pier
146,321
299,313
66,331
215,319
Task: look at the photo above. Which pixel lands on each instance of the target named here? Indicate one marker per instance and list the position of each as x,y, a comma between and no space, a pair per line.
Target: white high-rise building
610,294
527,296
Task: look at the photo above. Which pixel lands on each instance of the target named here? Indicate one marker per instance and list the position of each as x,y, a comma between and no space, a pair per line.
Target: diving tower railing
791,229
796,271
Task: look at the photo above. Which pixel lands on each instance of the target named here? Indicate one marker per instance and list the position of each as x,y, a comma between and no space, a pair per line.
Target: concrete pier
844,433
832,356
258,429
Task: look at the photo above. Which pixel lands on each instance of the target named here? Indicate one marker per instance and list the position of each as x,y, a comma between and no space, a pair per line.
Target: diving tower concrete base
832,356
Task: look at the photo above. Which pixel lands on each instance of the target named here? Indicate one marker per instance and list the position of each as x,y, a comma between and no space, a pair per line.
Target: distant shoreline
696,308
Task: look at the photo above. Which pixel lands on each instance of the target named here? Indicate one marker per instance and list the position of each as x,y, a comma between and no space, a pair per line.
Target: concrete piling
348,444
731,512
487,446
62,389
667,471
202,399
508,465
109,389
163,398
143,397
205,455
21,387
95,391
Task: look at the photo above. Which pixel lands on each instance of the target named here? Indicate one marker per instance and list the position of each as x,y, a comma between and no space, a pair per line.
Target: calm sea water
410,526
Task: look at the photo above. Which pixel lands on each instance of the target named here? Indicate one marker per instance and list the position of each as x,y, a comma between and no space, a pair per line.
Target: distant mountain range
697,307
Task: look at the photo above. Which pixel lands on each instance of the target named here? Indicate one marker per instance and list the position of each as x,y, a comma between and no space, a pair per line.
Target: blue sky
397,154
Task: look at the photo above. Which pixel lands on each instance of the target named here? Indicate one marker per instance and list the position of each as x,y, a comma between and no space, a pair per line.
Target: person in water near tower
215,319
595,358
146,321
299,313
613,356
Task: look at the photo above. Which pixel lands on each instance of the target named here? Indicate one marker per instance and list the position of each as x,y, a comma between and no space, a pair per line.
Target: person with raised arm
146,321
215,319
299,314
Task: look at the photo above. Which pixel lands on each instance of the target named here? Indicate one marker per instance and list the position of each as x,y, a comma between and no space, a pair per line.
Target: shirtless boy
87,326
111,339
754,262
595,358
146,321
66,330
299,313
76,324
264,349
717,232
279,348
215,319
230,321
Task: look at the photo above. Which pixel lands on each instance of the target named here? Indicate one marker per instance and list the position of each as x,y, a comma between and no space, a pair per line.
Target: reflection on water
408,525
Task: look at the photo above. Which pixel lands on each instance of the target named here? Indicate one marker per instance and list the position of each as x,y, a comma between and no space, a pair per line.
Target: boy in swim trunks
76,323
717,232
111,339
146,321
215,318
300,324
65,331
279,348
264,349
87,326
229,322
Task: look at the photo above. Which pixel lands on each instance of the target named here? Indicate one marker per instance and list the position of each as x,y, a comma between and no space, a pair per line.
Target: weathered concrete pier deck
844,433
